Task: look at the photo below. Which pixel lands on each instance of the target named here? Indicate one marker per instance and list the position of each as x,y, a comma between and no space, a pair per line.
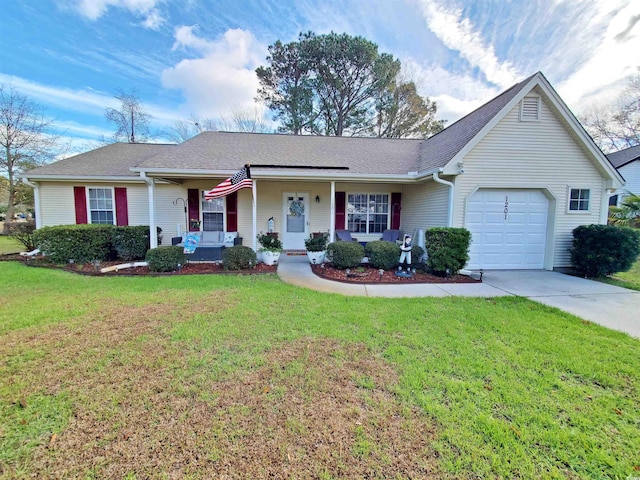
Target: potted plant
271,248
316,246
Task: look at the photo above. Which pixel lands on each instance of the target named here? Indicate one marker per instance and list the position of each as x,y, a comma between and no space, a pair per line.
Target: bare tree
131,121
182,130
244,120
618,126
26,140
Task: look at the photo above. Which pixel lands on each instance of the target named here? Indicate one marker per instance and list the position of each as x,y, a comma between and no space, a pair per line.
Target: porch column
151,189
254,220
332,217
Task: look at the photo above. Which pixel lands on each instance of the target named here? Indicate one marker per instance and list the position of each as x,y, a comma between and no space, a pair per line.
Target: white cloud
459,34
94,9
455,95
614,56
80,100
222,78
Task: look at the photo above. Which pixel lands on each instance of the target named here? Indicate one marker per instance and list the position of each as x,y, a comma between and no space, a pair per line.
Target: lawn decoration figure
405,257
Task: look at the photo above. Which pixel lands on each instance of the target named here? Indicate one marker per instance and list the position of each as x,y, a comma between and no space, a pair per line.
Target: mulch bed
372,276
92,270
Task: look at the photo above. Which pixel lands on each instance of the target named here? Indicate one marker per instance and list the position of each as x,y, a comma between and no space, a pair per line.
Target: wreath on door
296,208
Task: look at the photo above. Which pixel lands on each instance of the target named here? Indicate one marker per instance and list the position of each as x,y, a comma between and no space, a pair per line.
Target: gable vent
530,109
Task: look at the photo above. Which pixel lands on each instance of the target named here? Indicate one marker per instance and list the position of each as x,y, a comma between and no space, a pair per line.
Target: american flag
240,179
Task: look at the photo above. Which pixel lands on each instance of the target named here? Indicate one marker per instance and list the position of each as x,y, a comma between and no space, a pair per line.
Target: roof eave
80,178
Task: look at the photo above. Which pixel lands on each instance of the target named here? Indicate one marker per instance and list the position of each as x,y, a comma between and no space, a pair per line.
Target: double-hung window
101,205
367,212
579,200
212,214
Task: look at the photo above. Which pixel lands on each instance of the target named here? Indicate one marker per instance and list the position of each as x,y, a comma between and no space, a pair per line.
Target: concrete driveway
613,307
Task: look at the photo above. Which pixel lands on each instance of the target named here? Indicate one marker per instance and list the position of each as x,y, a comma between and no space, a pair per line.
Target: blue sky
197,58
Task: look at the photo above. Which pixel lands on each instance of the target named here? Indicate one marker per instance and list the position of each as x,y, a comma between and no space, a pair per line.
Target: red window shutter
396,206
80,198
122,209
193,197
232,212
341,200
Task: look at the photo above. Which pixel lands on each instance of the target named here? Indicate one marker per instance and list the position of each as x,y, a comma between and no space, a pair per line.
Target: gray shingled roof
622,157
228,150
438,150
111,160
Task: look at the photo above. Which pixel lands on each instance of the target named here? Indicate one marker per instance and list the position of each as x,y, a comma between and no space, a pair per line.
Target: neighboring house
519,172
627,162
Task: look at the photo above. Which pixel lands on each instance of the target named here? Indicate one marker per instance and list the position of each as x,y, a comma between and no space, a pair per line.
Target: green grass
9,245
630,279
515,389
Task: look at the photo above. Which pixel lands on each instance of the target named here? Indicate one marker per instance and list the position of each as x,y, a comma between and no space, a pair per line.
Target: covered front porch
292,209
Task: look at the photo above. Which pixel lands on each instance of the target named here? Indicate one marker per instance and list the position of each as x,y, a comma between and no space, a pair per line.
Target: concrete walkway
613,307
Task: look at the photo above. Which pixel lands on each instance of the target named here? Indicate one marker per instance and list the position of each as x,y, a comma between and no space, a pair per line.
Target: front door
296,220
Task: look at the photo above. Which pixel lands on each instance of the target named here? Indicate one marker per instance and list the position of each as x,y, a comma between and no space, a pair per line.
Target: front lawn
9,245
247,377
630,279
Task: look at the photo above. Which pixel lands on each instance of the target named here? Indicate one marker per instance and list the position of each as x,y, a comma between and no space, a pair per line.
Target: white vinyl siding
424,206
57,204
631,174
540,155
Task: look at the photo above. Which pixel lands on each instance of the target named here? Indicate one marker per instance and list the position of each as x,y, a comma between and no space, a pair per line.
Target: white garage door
509,229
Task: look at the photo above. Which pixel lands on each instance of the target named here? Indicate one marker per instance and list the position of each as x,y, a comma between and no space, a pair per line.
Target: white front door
296,220
508,228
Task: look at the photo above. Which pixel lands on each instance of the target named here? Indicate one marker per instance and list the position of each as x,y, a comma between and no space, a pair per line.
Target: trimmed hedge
131,243
602,250
165,259
345,254
384,255
89,242
238,257
80,243
447,249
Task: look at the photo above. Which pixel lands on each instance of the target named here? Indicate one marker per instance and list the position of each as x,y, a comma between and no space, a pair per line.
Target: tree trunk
10,208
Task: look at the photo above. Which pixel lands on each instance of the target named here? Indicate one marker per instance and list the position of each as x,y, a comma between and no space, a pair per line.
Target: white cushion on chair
229,238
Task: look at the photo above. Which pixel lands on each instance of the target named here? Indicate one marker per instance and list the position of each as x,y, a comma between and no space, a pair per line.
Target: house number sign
506,206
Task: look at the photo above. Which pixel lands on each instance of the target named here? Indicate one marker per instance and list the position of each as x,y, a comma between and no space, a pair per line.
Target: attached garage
508,228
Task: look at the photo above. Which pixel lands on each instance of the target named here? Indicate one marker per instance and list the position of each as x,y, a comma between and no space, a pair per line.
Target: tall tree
618,126
402,112
131,120
26,140
349,74
341,85
285,86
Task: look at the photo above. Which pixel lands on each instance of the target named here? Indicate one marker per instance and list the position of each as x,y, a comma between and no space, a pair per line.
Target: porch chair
345,236
391,235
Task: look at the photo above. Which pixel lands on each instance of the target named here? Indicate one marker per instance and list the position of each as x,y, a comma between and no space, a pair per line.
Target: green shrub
384,255
238,258
417,254
130,243
601,250
23,233
345,254
316,243
165,259
447,249
80,243
269,242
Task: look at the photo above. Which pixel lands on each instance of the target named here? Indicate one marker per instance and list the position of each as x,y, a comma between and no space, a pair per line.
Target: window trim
590,200
202,212
113,203
369,193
